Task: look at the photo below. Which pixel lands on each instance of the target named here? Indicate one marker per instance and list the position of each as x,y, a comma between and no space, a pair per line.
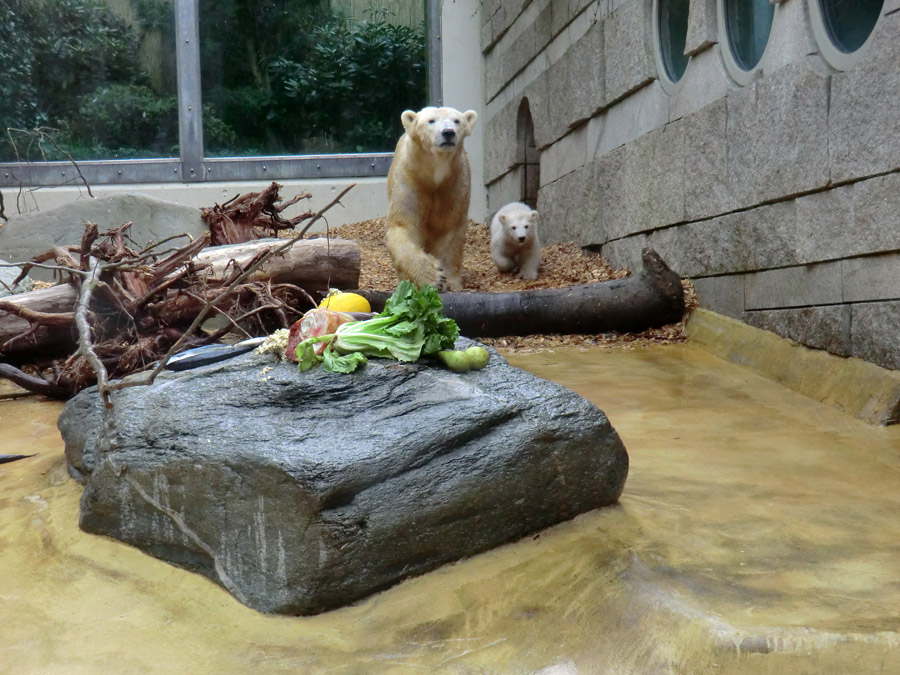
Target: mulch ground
561,265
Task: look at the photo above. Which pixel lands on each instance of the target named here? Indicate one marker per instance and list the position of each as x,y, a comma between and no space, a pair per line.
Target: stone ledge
853,386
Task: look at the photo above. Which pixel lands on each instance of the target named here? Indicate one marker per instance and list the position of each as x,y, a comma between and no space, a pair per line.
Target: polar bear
428,197
514,240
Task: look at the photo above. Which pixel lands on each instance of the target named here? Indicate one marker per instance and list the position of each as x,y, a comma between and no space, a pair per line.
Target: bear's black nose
521,237
448,134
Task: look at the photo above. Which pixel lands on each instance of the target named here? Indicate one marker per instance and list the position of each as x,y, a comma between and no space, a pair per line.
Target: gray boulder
8,276
302,492
27,235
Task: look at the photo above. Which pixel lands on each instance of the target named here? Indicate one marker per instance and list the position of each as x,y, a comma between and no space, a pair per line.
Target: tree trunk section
651,299
313,264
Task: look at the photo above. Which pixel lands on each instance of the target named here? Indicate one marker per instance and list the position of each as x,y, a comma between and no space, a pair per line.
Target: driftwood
650,299
251,216
312,264
133,310
16,310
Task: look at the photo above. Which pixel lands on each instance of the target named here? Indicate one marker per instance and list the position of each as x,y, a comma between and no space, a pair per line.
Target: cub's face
439,129
520,225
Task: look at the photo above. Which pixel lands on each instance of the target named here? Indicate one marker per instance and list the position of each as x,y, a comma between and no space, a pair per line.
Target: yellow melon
345,302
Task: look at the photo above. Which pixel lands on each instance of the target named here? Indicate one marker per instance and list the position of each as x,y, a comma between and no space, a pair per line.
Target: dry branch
251,216
312,264
132,308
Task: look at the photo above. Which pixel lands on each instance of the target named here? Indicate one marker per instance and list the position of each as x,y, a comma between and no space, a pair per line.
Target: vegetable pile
411,325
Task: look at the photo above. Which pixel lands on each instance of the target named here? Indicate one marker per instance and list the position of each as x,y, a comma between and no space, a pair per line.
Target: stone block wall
779,198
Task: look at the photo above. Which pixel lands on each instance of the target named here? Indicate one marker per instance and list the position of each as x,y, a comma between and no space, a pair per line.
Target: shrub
283,76
353,84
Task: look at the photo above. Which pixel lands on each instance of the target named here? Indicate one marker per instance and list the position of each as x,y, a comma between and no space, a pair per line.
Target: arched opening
527,156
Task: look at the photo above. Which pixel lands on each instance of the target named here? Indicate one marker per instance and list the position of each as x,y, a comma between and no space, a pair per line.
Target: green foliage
279,77
18,96
63,59
128,119
354,83
153,15
79,45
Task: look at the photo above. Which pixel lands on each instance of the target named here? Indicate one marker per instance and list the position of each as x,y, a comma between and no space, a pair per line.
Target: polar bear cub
429,184
514,240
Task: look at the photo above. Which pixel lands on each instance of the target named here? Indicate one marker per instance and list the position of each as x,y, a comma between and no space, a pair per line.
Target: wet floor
759,532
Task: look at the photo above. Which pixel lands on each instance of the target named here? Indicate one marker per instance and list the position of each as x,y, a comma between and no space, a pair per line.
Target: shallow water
754,520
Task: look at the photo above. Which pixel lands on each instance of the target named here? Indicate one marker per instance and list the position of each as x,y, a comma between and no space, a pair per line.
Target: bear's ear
504,220
408,117
470,116
533,216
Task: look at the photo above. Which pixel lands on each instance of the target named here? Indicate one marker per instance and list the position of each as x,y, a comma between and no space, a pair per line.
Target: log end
664,280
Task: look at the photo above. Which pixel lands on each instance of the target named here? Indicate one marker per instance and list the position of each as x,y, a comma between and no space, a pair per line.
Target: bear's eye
455,121
432,121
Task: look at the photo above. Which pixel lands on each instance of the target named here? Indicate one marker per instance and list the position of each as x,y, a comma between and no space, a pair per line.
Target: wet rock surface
301,492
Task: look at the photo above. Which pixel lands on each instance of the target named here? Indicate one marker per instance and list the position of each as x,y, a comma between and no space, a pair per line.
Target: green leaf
334,362
306,355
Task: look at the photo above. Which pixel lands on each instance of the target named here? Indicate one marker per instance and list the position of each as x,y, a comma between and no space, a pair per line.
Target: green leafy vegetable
412,324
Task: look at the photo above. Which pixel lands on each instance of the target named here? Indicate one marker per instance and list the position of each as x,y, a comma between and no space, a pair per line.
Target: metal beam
435,51
190,100
192,166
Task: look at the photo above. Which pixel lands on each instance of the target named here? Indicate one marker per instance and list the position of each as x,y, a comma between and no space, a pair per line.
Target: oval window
748,24
672,25
849,24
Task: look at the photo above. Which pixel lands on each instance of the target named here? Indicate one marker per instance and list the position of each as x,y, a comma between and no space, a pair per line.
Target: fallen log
312,264
13,324
38,385
650,299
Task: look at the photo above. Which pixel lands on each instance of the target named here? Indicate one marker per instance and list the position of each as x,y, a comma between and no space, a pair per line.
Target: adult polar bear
428,195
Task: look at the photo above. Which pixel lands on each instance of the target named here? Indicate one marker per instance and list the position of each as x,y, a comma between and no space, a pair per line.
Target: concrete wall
367,200
780,198
462,75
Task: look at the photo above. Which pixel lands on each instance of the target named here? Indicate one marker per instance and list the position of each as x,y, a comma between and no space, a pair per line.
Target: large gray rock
8,276
300,492
153,220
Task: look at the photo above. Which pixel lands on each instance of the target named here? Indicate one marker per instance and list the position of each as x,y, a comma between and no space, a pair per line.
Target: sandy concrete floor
759,532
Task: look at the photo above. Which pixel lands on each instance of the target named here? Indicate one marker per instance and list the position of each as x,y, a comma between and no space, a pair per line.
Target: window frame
192,166
834,56
669,85
732,66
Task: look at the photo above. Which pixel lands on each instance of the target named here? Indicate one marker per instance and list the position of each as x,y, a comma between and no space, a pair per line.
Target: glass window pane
850,22
673,25
748,23
309,76
87,79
